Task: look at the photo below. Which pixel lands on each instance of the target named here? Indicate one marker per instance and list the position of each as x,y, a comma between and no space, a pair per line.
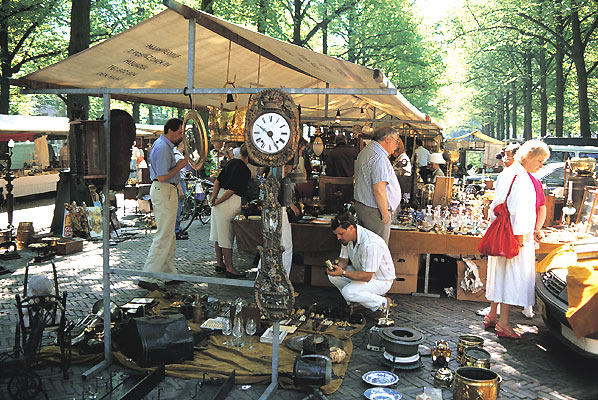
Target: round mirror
318,146
195,138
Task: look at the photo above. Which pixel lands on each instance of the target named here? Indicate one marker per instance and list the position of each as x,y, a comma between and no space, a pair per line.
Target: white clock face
270,133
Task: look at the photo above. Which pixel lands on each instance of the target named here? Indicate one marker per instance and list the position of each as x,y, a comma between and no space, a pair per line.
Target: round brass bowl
583,166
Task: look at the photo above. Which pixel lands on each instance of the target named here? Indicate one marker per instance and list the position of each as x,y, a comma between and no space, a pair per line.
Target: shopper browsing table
377,191
511,281
164,172
230,185
371,273
341,160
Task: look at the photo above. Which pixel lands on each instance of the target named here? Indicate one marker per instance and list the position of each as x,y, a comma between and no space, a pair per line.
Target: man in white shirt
377,191
371,273
422,158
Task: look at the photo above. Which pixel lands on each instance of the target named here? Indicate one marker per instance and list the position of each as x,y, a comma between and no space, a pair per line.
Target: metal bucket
25,233
475,356
467,341
473,383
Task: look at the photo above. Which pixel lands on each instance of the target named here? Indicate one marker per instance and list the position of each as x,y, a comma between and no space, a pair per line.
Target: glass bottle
238,327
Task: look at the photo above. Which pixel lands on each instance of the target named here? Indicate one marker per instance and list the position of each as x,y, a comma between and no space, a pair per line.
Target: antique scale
272,137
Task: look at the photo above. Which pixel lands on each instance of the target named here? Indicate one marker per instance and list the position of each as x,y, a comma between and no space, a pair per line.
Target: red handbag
499,240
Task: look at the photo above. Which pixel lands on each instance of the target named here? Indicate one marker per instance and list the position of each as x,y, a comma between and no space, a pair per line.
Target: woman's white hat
436,158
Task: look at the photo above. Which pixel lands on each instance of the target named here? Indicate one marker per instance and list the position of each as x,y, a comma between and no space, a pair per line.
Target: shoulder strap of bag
510,187
509,192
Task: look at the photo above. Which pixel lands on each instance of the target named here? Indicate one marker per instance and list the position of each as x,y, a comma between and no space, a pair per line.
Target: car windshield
552,175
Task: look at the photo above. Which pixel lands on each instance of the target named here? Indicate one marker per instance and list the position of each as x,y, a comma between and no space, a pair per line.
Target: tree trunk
559,90
325,28
507,115
297,22
500,113
261,16
543,96
79,40
582,75
527,97
6,69
150,115
351,44
514,114
136,112
207,6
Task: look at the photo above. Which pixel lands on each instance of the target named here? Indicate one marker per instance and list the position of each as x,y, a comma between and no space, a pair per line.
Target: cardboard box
69,246
319,277
406,263
482,269
404,284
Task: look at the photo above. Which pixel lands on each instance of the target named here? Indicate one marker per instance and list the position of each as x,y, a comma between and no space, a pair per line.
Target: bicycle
196,204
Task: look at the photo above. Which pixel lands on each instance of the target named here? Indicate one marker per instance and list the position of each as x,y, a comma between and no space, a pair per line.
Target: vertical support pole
106,236
271,389
191,54
326,102
275,345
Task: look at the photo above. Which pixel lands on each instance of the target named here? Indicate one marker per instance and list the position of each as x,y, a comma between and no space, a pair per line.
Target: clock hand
261,128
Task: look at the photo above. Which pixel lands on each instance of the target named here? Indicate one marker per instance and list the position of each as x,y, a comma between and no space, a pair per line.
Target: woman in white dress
511,281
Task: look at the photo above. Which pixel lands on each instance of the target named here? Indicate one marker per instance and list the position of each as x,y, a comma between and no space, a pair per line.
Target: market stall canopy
153,54
478,135
25,127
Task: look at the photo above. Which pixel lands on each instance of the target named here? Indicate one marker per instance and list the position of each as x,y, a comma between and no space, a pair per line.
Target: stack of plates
401,360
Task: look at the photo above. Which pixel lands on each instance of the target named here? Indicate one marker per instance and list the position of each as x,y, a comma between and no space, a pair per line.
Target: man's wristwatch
344,272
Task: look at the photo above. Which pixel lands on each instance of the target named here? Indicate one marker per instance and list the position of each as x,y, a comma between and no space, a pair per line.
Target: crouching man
371,273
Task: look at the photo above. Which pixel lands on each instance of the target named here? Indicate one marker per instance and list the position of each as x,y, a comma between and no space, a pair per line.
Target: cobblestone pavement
537,366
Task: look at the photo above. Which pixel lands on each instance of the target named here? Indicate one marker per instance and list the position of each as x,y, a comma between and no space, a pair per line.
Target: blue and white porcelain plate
380,393
380,378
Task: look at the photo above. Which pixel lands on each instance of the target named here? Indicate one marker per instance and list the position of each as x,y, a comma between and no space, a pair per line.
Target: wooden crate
463,295
69,246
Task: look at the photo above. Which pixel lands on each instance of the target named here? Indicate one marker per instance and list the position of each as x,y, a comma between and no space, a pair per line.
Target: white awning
153,54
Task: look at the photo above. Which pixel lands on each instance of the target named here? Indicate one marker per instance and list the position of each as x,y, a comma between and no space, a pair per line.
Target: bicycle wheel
187,211
193,213
205,211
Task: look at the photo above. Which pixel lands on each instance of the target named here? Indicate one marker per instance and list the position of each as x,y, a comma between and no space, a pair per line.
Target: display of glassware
226,331
238,327
250,329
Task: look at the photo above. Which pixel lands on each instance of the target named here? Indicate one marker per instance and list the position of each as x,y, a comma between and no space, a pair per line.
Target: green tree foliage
374,33
546,52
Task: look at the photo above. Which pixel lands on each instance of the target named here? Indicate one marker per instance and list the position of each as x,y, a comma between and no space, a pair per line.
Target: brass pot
444,377
583,166
475,356
476,384
467,341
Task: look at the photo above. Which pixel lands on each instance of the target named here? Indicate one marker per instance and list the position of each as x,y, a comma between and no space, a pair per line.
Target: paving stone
538,366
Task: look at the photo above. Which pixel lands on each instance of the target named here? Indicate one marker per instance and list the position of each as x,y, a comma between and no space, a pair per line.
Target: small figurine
441,354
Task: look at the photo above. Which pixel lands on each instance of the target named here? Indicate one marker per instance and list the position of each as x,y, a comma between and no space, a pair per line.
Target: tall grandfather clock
272,136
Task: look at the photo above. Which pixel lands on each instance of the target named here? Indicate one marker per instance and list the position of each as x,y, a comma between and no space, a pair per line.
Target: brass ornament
272,102
227,126
195,139
274,292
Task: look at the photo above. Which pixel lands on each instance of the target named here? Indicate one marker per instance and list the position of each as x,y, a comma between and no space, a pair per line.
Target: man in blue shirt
164,173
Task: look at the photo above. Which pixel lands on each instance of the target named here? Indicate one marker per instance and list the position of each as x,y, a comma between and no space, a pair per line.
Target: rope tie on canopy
230,97
190,97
